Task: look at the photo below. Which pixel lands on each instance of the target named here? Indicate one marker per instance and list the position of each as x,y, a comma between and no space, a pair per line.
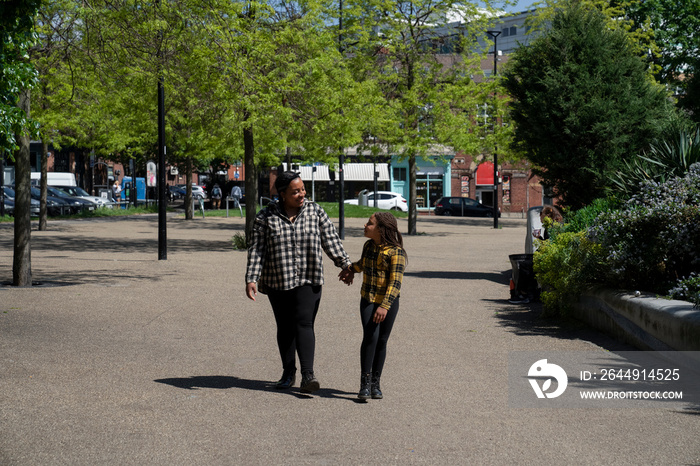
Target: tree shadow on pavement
527,320
225,382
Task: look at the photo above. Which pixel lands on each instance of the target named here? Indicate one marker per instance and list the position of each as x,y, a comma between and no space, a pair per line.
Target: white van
55,178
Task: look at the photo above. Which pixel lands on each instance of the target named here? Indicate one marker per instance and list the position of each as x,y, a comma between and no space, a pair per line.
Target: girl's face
293,196
372,230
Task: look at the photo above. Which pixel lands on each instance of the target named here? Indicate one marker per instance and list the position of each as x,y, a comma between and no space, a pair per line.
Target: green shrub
687,289
566,265
239,241
654,239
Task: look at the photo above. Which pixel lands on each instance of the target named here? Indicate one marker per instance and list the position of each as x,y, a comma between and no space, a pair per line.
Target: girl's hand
379,315
346,276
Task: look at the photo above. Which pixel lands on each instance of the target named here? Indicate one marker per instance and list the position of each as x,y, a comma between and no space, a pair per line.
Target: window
400,174
513,31
506,32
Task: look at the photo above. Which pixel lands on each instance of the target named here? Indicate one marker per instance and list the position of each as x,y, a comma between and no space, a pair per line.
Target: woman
285,262
383,262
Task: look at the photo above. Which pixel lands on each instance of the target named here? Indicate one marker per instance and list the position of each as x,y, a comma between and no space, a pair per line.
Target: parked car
10,200
77,204
386,200
176,192
462,207
8,206
54,205
76,191
198,191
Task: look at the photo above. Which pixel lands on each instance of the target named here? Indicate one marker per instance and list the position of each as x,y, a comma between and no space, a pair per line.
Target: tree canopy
582,103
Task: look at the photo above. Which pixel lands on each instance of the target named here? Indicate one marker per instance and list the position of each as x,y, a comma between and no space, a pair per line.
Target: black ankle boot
365,385
287,380
309,383
376,392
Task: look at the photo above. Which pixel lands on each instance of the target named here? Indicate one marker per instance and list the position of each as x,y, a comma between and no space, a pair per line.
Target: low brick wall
646,321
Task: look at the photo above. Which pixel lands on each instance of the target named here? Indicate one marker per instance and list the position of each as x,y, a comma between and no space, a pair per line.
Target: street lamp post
495,35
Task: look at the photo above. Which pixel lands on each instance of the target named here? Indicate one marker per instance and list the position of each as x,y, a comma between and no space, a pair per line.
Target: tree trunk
251,178
22,262
189,214
44,184
412,210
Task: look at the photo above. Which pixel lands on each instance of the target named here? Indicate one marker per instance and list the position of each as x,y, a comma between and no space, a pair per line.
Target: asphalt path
120,358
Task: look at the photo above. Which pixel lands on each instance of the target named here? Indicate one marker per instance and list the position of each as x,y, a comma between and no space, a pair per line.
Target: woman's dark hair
283,180
388,229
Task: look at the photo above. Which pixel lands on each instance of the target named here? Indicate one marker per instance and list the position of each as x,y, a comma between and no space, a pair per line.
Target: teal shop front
432,179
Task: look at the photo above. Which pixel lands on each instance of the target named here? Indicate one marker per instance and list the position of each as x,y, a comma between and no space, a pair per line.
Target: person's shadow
225,382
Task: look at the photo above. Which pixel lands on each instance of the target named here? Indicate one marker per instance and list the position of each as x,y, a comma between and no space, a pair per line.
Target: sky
522,5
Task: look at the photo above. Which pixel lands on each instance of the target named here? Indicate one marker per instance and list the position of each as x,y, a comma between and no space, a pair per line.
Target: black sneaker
309,383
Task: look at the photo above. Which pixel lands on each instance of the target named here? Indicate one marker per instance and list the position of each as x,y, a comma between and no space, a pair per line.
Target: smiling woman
285,262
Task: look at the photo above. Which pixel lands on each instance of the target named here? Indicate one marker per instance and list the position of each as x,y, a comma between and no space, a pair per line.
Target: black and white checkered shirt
283,255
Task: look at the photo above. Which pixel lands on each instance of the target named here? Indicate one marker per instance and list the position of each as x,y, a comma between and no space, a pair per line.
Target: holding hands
346,276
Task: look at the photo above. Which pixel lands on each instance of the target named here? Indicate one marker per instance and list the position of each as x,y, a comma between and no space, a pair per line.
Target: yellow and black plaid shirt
382,267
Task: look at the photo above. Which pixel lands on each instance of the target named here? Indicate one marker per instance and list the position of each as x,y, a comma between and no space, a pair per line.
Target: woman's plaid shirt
283,255
382,267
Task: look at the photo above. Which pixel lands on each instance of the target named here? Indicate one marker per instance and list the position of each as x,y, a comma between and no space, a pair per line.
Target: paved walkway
123,359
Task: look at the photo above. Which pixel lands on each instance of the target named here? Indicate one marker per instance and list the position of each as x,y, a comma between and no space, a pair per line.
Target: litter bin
362,198
522,269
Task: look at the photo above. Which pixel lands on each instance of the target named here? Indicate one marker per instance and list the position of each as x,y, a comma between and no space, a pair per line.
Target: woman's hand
346,276
251,290
379,315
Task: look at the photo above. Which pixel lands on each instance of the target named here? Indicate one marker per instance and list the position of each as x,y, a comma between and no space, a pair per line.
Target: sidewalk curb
645,321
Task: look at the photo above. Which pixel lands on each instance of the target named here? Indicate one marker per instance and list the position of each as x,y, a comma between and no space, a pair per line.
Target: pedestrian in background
116,192
285,262
236,195
382,263
216,197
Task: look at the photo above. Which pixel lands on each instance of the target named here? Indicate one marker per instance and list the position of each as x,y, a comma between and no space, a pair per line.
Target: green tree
287,84
674,25
18,77
423,55
582,103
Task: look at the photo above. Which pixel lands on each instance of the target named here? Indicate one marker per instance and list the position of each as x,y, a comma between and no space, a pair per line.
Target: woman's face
293,196
372,230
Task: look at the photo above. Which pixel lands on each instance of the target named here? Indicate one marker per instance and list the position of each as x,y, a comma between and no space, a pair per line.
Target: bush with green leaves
650,243
664,160
654,239
566,265
687,289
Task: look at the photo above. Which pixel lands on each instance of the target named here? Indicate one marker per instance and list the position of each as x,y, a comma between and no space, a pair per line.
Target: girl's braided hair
388,229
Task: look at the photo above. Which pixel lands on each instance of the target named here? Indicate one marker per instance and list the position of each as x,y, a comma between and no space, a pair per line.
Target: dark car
9,196
54,205
177,192
77,204
462,207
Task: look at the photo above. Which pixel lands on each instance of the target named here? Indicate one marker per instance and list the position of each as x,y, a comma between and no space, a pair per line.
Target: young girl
382,263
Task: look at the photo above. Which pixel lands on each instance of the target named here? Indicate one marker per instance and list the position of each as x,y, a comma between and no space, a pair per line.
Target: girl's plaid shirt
283,255
382,267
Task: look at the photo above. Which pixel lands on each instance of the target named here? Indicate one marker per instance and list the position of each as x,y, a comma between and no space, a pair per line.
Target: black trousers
375,336
295,313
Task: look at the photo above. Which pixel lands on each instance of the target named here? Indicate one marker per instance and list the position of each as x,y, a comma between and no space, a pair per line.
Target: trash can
362,198
522,269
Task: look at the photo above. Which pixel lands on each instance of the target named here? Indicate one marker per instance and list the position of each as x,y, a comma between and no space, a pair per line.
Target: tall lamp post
495,35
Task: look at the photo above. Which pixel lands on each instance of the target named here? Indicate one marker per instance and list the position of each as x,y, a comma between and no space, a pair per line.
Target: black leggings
375,336
295,313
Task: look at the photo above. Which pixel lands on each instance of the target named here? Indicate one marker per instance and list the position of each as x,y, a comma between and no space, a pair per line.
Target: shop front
432,180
